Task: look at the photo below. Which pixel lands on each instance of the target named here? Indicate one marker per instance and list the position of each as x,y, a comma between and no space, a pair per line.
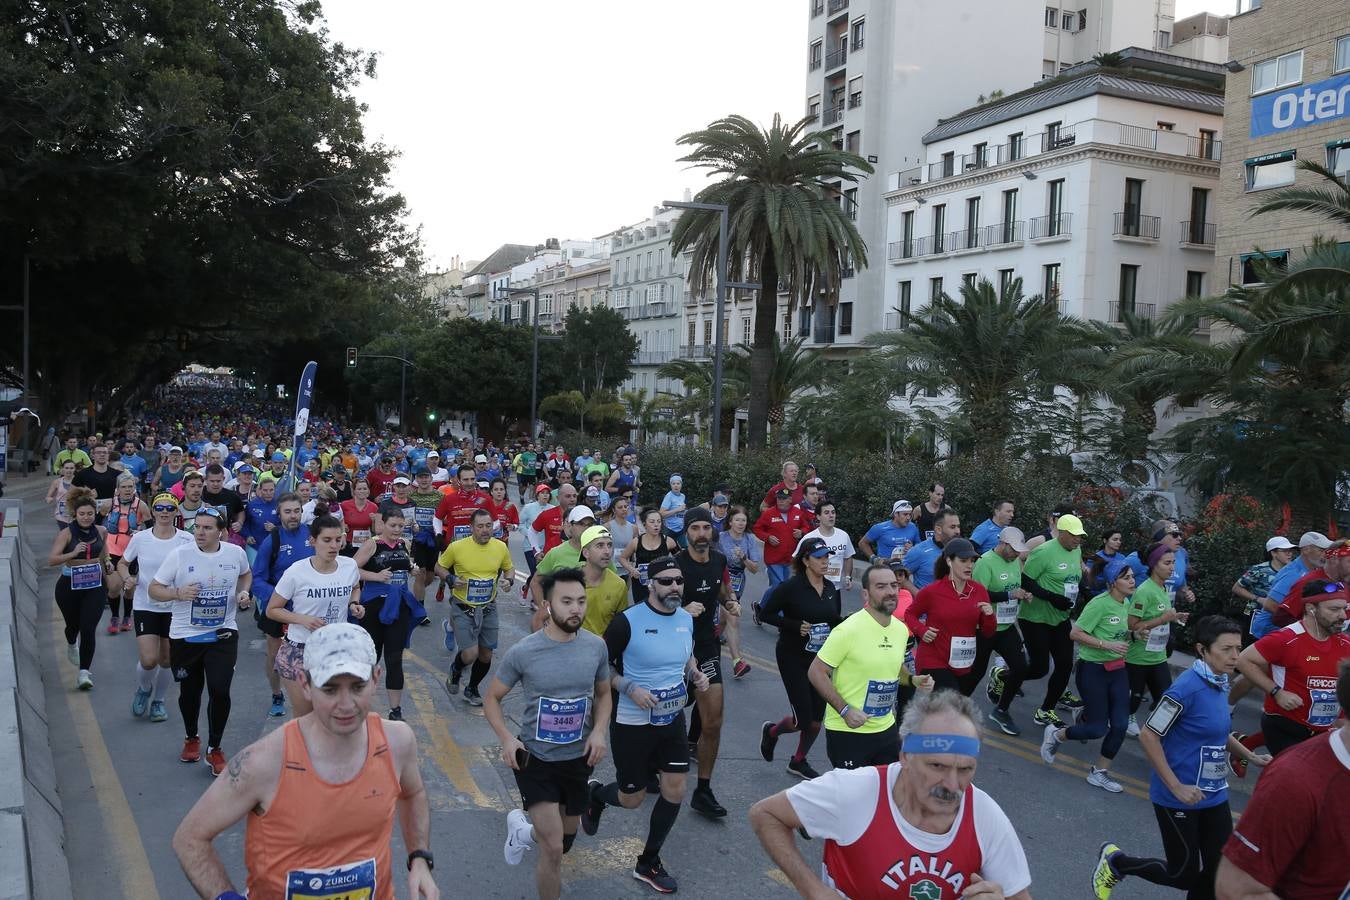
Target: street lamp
534,360
403,380
720,308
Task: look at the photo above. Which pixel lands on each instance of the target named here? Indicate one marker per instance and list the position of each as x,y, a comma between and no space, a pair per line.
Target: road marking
611,856
447,755
121,832
779,876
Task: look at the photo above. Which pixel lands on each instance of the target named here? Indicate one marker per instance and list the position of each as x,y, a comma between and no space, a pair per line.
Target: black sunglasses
666,581
165,507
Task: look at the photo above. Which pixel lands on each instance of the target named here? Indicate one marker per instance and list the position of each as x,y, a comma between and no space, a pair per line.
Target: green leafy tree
597,349
787,230
601,409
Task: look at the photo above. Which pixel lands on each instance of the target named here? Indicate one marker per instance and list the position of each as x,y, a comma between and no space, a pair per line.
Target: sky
522,120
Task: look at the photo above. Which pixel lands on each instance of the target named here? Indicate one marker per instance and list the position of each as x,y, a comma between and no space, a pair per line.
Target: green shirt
596,466
1105,619
422,514
999,575
1058,571
1150,600
563,556
867,659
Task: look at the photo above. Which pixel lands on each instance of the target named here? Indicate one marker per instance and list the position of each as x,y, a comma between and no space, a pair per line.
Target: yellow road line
122,833
447,755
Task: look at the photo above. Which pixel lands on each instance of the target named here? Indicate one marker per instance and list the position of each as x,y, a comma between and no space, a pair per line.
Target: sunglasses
165,507
1174,534
667,582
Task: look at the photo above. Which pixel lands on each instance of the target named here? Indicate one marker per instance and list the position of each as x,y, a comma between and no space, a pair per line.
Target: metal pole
720,311
27,400
403,389
534,368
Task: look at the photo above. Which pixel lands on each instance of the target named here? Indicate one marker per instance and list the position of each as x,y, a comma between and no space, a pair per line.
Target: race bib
1006,612
1323,709
642,573
399,578
423,516
1170,586
880,698
461,531
1158,636
360,536
351,881
498,530
816,639
61,509
834,572
962,655
669,704
86,576
561,721
1213,769
737,581
479,590
208,608
1071,592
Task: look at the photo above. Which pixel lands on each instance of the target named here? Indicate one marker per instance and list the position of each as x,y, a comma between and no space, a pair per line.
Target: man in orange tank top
319,794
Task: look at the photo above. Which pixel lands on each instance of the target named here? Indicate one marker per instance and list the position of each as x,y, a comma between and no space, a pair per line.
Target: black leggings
1154,678
214,671
1044,643
1008,644
808,707
1280,732
389,640
82,611
1193,841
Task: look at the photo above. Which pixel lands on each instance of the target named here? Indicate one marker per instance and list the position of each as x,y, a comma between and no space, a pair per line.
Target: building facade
1287,100
647,284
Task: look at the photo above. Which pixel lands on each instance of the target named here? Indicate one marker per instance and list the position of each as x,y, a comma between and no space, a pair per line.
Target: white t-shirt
839,804
218,574
440,475
841,548
312,593
151,552
307,511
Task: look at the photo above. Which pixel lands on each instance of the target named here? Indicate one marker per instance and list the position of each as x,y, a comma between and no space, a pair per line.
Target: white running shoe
85,681
518,838
73,654
1049,744
1133,729
1102,779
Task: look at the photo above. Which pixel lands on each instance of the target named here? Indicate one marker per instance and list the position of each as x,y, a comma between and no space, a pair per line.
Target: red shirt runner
957,618
1306,667
550,522
358,520
771,498
456,513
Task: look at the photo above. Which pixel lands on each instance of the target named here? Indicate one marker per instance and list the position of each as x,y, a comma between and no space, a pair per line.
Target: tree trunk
761,356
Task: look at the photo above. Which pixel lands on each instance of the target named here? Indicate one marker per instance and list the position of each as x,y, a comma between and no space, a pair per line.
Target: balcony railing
817,9
965,239
1003,233
836,58
696,351
836,5
1131,224
823,333
654,357
833,114
900,250
1200,233
1115,310
813,115
1058,225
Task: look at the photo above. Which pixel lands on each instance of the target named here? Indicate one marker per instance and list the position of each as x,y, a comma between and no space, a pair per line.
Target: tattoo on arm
236,768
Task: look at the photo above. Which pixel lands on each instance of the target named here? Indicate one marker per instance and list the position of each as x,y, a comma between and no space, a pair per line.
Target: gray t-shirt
557,682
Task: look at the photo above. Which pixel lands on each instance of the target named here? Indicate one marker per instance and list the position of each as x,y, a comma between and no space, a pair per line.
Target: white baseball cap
339,649
901,506
1314,539
1279,542
480,458
580,513
402,479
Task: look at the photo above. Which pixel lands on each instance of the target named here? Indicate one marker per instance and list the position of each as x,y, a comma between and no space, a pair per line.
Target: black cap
783,493
661,564
959,548
697,514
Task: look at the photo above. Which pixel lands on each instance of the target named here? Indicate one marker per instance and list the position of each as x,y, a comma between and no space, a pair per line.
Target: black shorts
709,660
148,622
269,627
184,655
850,750
424,556
563,781
639,750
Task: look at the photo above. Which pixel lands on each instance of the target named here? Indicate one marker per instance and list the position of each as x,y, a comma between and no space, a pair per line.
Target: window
968,279
1067,21
1167,126
693,333
853,142
1247,6
787,326
804,320
1208,144
859,32
904,307
1050,282
845,318
1338,158
747,331
1005,279
980,158
948,165
1342,53
1199,215
934,290
1278,72
1164,40
1255,265
660,260
707,332
1134,206
1051,17
1054,203
972,222
855,86
939,223
1272,170
813,107
1195,284
816,50
907,233
1082,19
1129,286
851,203
1016,149
1009,232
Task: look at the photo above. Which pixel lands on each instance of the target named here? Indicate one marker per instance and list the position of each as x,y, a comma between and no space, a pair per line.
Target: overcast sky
520,120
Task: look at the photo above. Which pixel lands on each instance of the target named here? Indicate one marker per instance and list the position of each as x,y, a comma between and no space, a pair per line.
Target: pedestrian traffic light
351,357
431,417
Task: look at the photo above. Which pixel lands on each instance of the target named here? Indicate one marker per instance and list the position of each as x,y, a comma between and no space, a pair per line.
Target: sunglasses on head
667,581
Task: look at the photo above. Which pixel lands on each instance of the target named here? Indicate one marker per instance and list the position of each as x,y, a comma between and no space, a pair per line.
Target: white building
647,284
880,73
1097,189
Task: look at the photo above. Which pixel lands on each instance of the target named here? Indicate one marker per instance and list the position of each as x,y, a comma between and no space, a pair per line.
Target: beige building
1288,100
582,283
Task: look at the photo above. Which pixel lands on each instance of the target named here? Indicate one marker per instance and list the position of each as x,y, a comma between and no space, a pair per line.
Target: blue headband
941,743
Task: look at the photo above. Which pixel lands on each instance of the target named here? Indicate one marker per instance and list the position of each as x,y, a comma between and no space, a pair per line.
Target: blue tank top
658,648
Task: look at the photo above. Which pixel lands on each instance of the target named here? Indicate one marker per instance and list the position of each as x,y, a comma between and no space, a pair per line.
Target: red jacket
780,525
954,616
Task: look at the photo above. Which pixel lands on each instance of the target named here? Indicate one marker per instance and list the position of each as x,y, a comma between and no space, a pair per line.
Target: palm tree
645,412
1327,264
600,407
788,229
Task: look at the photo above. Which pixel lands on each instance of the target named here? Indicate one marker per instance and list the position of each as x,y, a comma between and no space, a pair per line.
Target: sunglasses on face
665,581
165,507
1174,534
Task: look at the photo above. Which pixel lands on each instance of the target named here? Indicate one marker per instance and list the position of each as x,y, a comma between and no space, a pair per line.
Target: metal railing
696,351
1131,224
900,250
1002,233
1056,225
833,114
836,58
654,357
1116,309
1200,233
823,333
813,115
1204,147
836,5
965,239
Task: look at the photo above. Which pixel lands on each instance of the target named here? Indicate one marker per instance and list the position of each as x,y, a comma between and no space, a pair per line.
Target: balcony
817,8
1058,138
1198,234
836,58
1115,310
653,357
833,114
823,333
696,351
965,239
1204,147
1002,234
813,114
930,245
836,5
899,251
1130,224
1054,226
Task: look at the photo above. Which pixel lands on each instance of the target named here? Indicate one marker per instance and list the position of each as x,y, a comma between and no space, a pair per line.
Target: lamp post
534,357
24,397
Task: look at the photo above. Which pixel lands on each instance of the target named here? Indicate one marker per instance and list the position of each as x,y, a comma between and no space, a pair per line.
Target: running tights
82,611
808,707
389,640
1007,644
1193,841
1106,699
122,601
1154,678
1045,643
215,672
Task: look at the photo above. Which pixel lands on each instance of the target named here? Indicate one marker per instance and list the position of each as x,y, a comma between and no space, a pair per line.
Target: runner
100,478
170,473
949,616
1000,571
1187,737
743,552
191,502
625,477
56,493
505,516
127,515
622,532
673,507
789,482
391,609
1152,612
206,580
319,795
945,525
566,555
804,609
71,453
314,592
986,534
1051,575
650,648
147,550
358,515
481,566
918,828
926,520
549,523
606,594
889,541
81,550
426,526
651,544
842,551
382,477
563,672
780,528
286,545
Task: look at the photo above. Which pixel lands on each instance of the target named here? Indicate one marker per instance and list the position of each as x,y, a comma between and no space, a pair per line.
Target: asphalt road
124,790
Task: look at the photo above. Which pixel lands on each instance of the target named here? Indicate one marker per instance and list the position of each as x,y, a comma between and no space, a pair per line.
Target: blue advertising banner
1301,106
304,399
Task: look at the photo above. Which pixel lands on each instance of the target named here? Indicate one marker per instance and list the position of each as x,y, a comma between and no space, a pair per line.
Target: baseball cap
435,453
1072,524
721,500
485,484
782,493
542,489
592,491
580,513
1014,538
402,479
175,449
339,649
1314,539
258,454
1279,542
900,506
278,457
245,468
421,470
595,531
959,548
811,546
480,458
386,457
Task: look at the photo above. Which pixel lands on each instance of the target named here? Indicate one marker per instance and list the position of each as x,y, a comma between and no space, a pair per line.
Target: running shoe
157,711
655,876
215,761
1102,779
85,681
73,654
802,769
192,750
426,622
1049,717
1070,700
139,703
517,837
1104,877
126,623
1004,720
396,714
440,598
767,741
278,706
702,801
993,688
1235,762
754,612
448,635
1050,744
113,627
741,668
1132,730
590,816
472,697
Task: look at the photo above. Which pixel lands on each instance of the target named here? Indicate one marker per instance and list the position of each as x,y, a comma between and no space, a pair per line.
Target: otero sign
1299,107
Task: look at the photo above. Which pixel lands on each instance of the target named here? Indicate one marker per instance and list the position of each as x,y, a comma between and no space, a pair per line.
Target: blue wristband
231,895
941,743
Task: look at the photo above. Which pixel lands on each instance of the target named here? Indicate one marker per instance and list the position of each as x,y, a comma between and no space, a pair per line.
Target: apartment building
647,284
1288,99
880,73
1095,188
489,273
576,282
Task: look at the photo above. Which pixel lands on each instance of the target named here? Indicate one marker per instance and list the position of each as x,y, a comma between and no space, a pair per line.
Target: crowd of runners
200,515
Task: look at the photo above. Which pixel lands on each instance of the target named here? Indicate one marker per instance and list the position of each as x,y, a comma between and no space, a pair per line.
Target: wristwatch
422,854
1275,689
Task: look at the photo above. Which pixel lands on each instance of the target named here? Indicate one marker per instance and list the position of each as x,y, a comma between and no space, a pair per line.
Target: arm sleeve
616,640
508,672
285,585
1058,601
262,579
981,574
772,609
872,534
760,528
168,570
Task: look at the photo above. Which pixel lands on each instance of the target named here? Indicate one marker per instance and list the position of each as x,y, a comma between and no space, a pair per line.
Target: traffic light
351,357
431,416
